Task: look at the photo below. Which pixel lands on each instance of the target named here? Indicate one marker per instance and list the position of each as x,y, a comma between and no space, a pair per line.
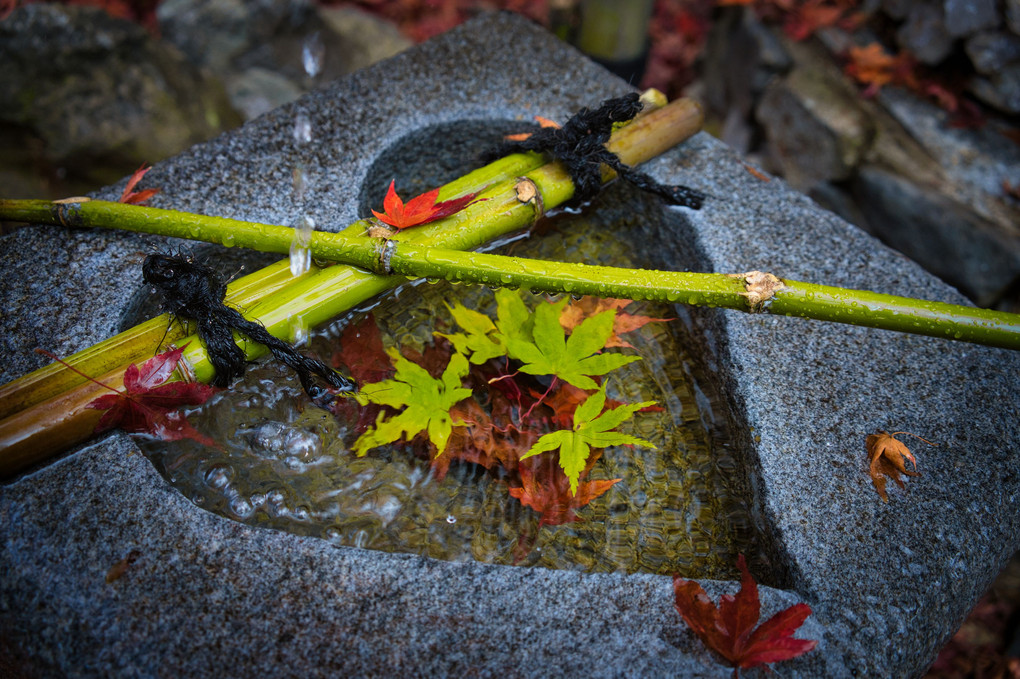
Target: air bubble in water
302,128
300,255
450,518
313,53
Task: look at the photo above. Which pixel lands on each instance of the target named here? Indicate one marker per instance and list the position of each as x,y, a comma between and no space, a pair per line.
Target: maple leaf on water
484,339
586,307
149,403
420,210
572,359
426,402
547,490
887,457
729,630
591,430
129,195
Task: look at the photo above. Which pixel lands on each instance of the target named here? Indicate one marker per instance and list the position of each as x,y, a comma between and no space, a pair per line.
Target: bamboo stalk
330,291
640,140
792,298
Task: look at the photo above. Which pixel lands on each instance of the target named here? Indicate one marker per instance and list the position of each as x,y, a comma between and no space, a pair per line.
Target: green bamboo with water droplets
386,257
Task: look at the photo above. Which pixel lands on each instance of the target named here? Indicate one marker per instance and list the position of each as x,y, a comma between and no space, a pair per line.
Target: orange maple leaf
887,457
420,210
129,195
730,631
586,307
546,489
543,122
873,67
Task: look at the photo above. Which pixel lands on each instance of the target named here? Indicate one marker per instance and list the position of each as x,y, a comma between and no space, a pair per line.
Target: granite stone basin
888,583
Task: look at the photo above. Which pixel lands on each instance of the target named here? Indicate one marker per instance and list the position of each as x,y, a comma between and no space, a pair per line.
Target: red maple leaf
729,630
148,404
362,352
481,442
804,19
546,489
420,210
129,195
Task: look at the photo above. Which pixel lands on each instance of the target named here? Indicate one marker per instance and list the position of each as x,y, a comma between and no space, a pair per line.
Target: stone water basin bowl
207,595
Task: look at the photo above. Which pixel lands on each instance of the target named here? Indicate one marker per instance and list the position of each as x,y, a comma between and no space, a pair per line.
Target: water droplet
298,331
313,53
300,255
302,128
299,181
450,518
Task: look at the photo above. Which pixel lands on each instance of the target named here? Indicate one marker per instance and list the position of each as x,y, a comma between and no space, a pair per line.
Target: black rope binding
196,291
580,146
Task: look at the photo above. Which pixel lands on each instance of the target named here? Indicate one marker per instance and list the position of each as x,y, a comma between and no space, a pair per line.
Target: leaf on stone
575,359
129,195
420,210
729,630
547,490
586,307
149,402
887,457
873,67
592,428
424,402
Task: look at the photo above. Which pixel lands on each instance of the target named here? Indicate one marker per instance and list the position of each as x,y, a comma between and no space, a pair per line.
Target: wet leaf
586,307
547,490
887,457
362,352
592,428
424,401
149,403
574,360
420,210
729,629
129,195
873,67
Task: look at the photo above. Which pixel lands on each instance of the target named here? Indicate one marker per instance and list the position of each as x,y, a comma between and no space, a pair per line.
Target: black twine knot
580,146
195,291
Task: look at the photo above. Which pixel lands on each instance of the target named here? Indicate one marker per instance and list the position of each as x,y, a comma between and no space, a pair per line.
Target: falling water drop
300,255
299,180
302,128
313,53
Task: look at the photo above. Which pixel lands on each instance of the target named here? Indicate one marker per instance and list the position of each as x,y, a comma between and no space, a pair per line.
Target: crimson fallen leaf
420,210
149,402
730,630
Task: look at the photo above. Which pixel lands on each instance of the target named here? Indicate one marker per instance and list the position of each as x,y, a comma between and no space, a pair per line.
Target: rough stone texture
256,47
992,50
924,33
84,85
965,17
889,583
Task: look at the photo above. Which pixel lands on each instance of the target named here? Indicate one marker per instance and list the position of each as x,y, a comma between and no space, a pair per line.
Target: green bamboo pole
36,432
791,298
641,140
139,342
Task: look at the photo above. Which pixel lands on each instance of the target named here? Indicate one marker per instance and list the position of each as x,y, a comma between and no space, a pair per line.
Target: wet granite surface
205,596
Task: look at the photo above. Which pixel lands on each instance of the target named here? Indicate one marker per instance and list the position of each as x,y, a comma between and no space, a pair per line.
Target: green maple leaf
573,359
426,403
482,339
591,430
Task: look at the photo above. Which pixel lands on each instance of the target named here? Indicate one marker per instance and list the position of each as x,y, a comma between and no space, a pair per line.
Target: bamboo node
527,192
68,210
759,288
386,254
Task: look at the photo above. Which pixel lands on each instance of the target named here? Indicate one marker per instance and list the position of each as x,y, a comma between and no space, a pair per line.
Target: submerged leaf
426,403
546,490
590,430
